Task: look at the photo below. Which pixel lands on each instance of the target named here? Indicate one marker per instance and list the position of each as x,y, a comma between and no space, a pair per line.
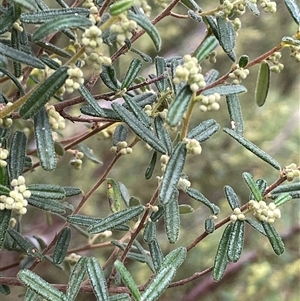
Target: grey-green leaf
47,191
47,204
151,166
262,84
132,72
253,148
225,90
116,219
172,173
274,238
17,154
58,24
209,225
139,128
149,28
163,134
282,198
236,241
30,5
44,92
179,106
231,197
175,258
77,276
253,7
256,225
204,130
97,279
198,196
293,9
20,56
221,259
44,140
161,68
235,113
120,297
172,218
4,222
40,286
252,186
62,245
14,80
156,253
128,280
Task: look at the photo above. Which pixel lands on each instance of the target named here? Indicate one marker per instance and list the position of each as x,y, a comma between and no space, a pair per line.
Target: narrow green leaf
20,56
15,43
26,4
293,194
14,80
7,19
149,232
211,76
120,297
116,219
221,259
151,166
262,84
58,24
204,130
88,153
286,188
293,9
62,245
4,222
262,185
159,284
253,148
44,92
256,225
212,26
139,128
172,218
5,290
108,76
132,72
235,113
49,14
253,7
226,34
194,16
82,220
114,196
225,90
274,238
77,276
47,191
236,241
185,209
139,113
40,286
172,173
206,48
17,154
107,113
191,4
232,198
30,295
149,28
282,198
163,134
196,195
243,61
161,69
179,106
145,57
252,186
97,279
156,254
25,244
47,204
120,134
209,225
175,258
4,190
120,7
90,100
72,191
128,280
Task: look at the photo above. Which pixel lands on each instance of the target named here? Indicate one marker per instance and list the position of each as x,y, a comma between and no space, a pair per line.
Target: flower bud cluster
17,25
121,148
5,122
274,58
77,162
210,102
193,146
265,212
3,156
56,121
94,15
164,159
75,79
190,73
295,53
237,215
123,28
92,41
72,258
237,24
183,184
238,75
291,171
212,57
143,4
17,198
269,6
